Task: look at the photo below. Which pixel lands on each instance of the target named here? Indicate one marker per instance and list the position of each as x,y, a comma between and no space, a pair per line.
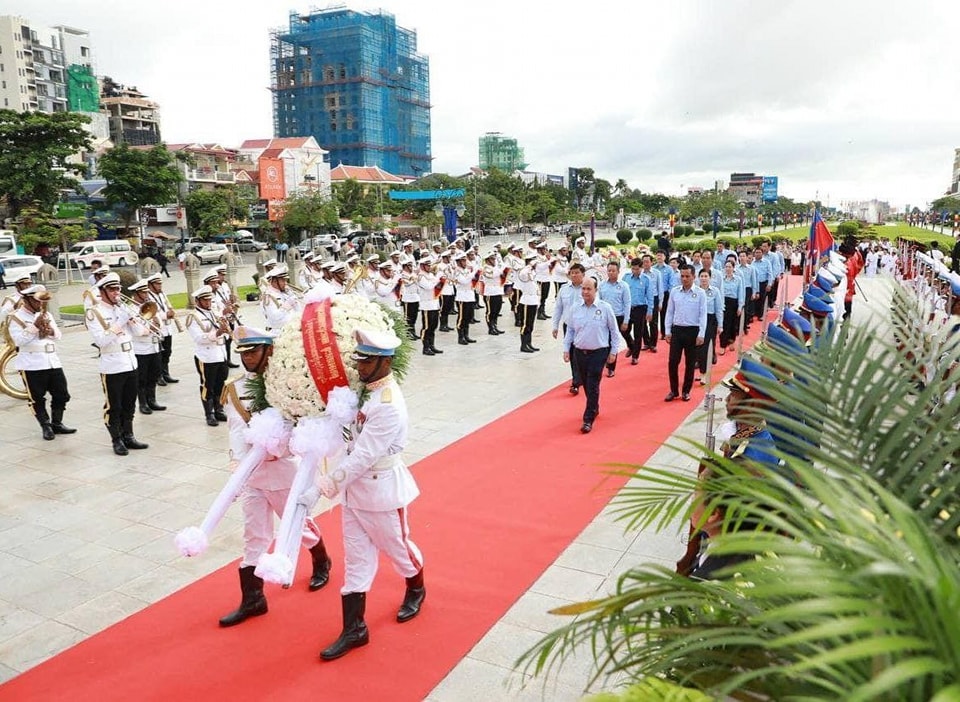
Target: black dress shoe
119,448
634,361
61,428
574,389
435,349
130,441
152,404
427,351
462,341
168,379
470,341
534,348
586,428
212,421
685,397
219,415
161,382
671,396
48,434
610,373
145,409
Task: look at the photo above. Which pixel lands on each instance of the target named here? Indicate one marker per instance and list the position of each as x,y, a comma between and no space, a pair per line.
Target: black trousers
576,378
166,351
494,305
709,342
511,294
120,391
759,305
410,310
624,334
528,315
464,316
544,294
446,308
650,333
635,329
148,370
663,310
39,383
683,343
212,378
731,322
429,321
772,291
591,363
747,308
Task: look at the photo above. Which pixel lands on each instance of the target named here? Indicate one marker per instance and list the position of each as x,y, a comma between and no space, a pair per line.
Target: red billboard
271,179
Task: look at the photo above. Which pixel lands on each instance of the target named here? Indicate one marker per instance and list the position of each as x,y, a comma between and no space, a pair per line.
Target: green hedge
604,243
644,235
624,235
848,228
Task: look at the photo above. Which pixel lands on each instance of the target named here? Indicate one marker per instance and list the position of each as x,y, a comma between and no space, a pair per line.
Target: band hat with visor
108,281
373,344
246,338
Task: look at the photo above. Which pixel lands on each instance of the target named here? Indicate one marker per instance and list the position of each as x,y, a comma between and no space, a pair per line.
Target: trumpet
42,321
145,310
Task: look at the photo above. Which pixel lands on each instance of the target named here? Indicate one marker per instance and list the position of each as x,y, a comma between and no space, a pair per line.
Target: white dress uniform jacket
427,284
208,344
279,306
115,342
34,353
463,283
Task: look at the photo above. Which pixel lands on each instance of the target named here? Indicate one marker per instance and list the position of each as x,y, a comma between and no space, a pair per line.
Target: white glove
328,487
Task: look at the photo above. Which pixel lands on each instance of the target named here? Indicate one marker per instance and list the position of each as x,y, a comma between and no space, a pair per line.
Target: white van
8,242
116,252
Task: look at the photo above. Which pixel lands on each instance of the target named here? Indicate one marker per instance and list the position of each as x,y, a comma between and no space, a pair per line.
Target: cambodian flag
821,240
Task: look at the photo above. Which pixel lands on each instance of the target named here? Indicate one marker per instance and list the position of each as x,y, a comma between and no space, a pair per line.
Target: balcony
207,175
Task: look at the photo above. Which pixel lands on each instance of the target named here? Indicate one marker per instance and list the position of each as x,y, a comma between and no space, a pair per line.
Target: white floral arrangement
289,385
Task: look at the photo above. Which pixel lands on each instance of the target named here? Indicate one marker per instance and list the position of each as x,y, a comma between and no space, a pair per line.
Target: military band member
109,324
409,295
448,292
366,285
95,265
493,278
463,280
543,275
307,276
338,276
529,302
209,333
35,334
561,268
377,487
513,262
168,323
146,346
279,302
580,254
11,303
385,285
265,492
262,282
223,306
429,285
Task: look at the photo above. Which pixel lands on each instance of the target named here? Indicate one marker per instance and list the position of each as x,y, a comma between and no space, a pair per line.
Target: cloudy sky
848,99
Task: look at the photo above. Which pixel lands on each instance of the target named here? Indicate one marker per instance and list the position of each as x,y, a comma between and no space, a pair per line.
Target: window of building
333,126
328,73
84,51
343,71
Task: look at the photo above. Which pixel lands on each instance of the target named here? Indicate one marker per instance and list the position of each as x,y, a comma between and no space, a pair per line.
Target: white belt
122,347
39,348
386,463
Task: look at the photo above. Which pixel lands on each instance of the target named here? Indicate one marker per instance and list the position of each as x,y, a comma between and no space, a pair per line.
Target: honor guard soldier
463,280
262,282
222,307
279,301
168,323
543,274
109,323
12,302
429,285
377,487
560,271
35,334
409,295
492,278
209,333
513,263
307,276
448,292
529,302
385,286
145,329
265,492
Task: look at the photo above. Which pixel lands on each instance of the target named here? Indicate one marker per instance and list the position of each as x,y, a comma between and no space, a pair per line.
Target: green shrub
757,240
644,235
848,228
684,246
604,243
727,241
779,239
624,235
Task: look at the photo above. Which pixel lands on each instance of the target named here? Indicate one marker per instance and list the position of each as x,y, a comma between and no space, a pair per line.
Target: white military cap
139,285
437,245
33,290
489,254
245,338
406,260
529,257
459,255
109,279
427,260
202,292
278,271
371,258
386,264
326,264
102,270
406,243
212,275
579,239
221,268
154,278
374,343
307,257
338,267
352,257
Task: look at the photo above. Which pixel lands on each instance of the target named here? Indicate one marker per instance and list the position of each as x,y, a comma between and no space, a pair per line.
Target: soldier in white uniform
109,324
447,294
146,346
376,487
262,282
12,303
429,286
580,254
513,263
529,301
543,274
35,334
493,278
559,274
463,280
223,307
166,314
278,301
409,295
91,297
385,285
307,276
209,333
265,492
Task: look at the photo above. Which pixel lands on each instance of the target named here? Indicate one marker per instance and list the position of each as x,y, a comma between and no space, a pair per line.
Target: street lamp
450,213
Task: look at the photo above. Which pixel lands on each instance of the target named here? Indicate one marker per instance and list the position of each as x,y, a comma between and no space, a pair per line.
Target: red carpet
497,508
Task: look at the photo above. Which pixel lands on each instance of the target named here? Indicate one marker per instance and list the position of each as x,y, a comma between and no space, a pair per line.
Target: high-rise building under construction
355,82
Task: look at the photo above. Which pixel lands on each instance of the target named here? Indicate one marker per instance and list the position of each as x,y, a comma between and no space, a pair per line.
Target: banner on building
271,179
275,209
769,188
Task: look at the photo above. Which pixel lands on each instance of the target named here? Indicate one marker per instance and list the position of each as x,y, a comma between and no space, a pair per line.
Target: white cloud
845,98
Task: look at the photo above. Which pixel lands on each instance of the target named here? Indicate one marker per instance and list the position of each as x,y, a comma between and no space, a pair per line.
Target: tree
852,590
139,177
209,212
312,211
950,203
621,188
34,148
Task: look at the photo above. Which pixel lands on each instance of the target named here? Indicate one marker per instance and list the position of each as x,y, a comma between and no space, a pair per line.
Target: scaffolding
355,82
501,152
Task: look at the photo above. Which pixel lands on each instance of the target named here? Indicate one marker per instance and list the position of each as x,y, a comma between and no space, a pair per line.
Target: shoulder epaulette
230,395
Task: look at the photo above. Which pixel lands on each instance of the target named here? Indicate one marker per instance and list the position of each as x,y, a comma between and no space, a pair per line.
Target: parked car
378,239
211,253
15,266
251,245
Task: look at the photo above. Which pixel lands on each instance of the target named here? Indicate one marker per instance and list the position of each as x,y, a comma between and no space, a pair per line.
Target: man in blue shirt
650,332
568,298
684,330
749,276
616,293
641,307
670,276
593,339
764,276
777,264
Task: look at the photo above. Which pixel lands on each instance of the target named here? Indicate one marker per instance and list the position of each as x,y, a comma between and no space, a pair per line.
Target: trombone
145,310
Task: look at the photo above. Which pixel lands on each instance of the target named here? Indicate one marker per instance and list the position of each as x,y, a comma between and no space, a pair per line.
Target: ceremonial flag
821,240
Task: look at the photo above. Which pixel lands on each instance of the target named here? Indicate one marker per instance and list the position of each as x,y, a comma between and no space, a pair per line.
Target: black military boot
433,342
208,412
165,375
354,632
152,401
218,412
119,447
525,346
144,405
321,566
252,602
491,330
462,338
129,440
48,433
413,599
427,351
57,424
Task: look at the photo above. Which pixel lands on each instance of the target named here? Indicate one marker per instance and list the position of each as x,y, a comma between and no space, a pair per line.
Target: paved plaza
86,537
